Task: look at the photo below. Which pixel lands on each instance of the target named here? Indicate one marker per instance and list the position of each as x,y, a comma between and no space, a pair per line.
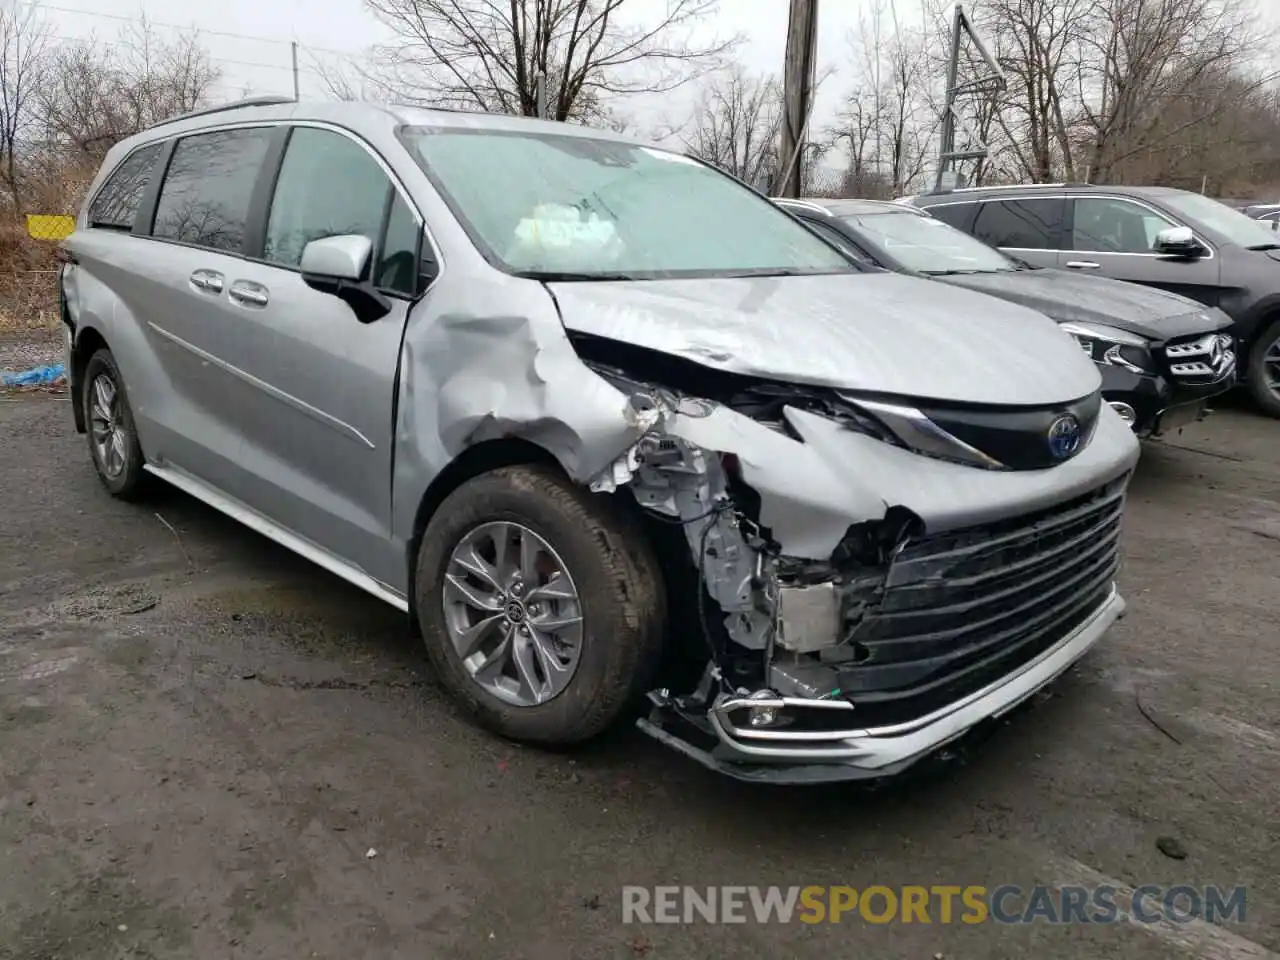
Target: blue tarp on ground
51,373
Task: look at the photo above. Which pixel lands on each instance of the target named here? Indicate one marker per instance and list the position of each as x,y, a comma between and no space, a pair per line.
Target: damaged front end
869,586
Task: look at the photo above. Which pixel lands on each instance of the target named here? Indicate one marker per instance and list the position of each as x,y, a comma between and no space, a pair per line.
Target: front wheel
542,608
1264,370
113,438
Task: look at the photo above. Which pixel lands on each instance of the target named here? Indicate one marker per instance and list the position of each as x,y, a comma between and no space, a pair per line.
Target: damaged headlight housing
766,402
1113,347
895,423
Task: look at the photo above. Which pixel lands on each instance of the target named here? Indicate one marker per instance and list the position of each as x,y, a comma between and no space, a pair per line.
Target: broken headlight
765,403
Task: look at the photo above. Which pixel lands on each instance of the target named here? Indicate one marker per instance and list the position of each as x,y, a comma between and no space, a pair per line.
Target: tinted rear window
1030,224
116,204
206,193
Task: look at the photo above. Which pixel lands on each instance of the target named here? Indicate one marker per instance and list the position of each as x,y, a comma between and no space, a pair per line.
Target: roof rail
269,100
1011,186
806,204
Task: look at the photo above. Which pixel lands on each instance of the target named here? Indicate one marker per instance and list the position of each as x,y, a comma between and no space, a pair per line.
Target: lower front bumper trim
762,755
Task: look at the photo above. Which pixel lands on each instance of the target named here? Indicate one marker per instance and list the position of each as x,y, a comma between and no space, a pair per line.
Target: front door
1115,237
316,419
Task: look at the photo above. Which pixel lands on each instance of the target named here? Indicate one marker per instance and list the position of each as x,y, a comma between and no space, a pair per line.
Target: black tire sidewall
132,476
619,650
1265,399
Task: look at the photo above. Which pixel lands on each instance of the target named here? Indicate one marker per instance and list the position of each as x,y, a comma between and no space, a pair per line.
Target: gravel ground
23,350
202,738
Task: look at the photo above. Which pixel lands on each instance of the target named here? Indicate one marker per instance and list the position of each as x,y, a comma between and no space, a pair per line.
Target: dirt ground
202,738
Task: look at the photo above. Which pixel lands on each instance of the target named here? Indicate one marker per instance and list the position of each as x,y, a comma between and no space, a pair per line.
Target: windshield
1232,225
928,245
569,207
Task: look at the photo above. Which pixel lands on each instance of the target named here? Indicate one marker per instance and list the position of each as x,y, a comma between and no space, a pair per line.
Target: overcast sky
250,39
259,55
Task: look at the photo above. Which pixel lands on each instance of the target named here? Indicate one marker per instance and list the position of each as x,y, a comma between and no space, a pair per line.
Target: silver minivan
605,423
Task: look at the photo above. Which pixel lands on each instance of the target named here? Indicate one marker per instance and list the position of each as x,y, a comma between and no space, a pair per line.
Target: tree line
1176,92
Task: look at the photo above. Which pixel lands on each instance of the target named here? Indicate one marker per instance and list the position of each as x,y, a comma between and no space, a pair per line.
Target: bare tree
95,94
1149,55
1039,46
488,54
889,116
736,123
24,44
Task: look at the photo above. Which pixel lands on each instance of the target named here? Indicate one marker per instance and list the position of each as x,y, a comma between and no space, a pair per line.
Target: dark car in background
1162,356
1157,236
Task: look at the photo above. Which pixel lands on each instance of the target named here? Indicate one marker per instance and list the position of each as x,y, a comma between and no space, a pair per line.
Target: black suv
1161,355
1158,236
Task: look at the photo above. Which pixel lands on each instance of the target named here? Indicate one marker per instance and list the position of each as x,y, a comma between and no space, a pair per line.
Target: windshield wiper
778,272
958,273
1264,246
560,276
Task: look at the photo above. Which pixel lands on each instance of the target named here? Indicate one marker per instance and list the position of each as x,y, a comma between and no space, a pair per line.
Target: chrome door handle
248,293
1083,265
207,281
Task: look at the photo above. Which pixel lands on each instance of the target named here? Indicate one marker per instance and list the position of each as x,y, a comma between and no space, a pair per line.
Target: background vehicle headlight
1111,347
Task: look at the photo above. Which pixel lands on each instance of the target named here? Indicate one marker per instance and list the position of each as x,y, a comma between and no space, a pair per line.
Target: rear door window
116,205
1025,224
206,192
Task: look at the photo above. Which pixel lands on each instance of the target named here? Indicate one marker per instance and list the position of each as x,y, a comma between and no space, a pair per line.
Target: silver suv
605,423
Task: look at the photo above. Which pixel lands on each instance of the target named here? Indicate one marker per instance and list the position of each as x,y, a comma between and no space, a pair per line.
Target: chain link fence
29,271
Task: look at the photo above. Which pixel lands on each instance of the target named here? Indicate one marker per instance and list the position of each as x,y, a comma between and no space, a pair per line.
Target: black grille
963,609
1017,437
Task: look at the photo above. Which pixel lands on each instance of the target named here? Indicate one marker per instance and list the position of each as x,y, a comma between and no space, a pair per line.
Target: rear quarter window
116,205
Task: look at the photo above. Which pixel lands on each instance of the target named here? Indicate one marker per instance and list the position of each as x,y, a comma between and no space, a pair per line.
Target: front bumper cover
1160,403
860,754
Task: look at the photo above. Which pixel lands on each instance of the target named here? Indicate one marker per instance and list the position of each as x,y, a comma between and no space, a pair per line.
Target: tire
621,601
120,469
1267,398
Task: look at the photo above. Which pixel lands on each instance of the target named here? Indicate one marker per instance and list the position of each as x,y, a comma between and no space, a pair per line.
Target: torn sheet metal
918,340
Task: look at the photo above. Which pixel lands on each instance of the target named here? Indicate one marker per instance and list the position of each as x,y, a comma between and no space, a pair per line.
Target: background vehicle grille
960,610
1203,358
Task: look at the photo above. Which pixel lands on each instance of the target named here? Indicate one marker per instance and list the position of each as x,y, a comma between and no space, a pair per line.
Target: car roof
974,194
844,207
358,116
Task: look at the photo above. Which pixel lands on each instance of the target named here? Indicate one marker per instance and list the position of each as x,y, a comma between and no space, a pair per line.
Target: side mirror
1178,241
340,258
337,266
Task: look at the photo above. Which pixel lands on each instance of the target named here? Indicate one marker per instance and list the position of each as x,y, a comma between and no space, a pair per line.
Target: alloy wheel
109,441
1271,367
513,613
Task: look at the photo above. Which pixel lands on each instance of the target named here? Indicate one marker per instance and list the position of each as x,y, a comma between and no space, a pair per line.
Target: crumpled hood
877,332
1064,296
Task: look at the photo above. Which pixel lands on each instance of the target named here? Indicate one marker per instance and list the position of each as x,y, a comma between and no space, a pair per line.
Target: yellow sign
50,226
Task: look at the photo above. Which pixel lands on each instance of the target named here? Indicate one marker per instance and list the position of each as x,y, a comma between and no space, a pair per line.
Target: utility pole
798,78
540,94
293,49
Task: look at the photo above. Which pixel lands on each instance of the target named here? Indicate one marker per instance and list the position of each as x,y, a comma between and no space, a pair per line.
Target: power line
63,40
174,26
